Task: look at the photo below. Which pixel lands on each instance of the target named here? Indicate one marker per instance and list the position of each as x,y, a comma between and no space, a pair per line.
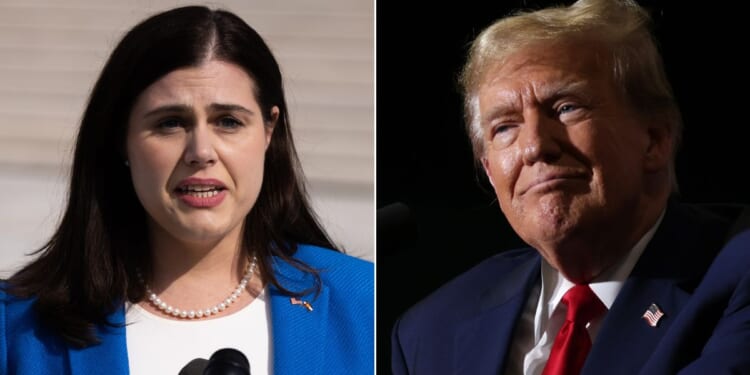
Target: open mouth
200,191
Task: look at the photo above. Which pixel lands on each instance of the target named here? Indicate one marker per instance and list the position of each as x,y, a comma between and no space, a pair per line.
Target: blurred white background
51,53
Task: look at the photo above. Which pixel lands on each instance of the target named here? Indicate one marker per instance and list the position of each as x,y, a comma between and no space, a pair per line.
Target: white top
544,315
157,345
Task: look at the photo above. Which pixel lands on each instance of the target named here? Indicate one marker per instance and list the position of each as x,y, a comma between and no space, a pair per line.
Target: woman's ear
271,124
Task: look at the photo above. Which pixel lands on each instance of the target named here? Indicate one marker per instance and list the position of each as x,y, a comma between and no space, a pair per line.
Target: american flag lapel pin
305,304
652,315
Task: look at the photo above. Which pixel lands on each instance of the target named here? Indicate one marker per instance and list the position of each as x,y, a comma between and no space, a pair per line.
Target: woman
187,227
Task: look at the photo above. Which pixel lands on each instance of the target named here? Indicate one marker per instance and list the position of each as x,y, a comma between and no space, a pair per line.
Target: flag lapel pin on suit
305,304
652,315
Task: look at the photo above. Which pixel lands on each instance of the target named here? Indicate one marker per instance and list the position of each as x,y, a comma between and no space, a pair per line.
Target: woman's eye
170,124
229,122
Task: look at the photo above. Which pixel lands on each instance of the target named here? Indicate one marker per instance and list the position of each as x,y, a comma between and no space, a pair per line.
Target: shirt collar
606,286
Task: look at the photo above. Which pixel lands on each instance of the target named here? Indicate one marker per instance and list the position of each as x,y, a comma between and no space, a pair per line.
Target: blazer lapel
483,340
109,357
297,331
626,333
666,275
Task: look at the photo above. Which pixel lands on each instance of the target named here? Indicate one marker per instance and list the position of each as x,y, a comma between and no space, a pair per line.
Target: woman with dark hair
187,227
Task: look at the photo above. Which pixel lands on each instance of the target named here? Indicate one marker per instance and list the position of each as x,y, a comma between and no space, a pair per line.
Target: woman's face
196,144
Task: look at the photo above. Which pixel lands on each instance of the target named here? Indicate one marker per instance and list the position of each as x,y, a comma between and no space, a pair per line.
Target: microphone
397,229
225,361
194,367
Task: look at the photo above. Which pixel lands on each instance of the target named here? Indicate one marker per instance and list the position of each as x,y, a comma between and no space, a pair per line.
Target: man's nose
540,138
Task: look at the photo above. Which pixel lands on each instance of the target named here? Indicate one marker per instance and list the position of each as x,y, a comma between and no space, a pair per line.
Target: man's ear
487,171
660,144
271,124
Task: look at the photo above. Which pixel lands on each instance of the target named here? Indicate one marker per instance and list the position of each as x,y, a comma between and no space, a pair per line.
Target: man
572,118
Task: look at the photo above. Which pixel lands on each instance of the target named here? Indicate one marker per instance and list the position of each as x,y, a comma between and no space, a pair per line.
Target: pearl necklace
200,313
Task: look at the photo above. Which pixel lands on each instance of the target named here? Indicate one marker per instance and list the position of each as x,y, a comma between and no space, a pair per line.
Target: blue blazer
335,338
466,327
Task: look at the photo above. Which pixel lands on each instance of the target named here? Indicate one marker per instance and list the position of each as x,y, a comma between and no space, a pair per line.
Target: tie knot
583,304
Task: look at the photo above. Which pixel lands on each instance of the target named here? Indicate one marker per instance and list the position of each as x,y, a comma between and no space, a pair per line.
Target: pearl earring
127,163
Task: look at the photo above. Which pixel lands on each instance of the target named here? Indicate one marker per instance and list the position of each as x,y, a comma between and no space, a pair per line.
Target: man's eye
501,129
567,108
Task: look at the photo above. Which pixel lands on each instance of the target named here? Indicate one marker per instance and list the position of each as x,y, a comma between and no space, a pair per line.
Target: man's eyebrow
497,111
504,105
182,108
578,88
575,88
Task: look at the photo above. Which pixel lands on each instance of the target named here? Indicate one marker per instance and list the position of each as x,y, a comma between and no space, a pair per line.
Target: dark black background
424,159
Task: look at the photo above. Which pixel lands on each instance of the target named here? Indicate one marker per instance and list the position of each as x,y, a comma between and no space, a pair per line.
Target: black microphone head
194,367
227,361
397,229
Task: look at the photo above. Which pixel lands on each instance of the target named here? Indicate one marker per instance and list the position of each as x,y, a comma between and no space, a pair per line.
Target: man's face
564,150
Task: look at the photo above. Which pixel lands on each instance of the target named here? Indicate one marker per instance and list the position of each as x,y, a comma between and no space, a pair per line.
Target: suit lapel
482,341
626,333
296,331
666,274
109,357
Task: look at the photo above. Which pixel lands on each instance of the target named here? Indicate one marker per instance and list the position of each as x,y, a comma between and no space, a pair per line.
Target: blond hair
621,26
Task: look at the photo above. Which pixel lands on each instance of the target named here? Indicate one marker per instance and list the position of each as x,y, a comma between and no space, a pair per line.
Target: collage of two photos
350,187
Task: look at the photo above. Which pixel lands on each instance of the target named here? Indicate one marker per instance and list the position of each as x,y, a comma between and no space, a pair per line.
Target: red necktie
573,343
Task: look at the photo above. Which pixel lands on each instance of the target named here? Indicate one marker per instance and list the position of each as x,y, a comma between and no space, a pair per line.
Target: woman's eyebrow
230,107
182,108
171,108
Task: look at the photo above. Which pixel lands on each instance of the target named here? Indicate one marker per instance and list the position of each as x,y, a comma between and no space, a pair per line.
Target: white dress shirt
544,315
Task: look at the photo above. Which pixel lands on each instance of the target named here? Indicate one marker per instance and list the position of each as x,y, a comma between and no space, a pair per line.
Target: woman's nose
199,150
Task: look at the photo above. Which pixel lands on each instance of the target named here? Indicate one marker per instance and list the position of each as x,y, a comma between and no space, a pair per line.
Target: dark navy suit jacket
466,327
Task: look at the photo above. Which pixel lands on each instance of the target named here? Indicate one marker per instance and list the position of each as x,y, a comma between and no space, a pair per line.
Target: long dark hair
87,269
